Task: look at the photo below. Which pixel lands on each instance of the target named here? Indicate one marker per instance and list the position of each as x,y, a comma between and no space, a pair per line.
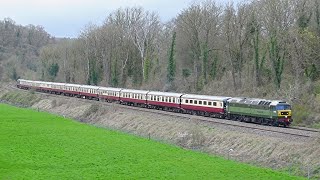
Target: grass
38,145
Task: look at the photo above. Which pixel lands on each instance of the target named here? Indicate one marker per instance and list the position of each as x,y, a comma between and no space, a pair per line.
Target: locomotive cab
282,112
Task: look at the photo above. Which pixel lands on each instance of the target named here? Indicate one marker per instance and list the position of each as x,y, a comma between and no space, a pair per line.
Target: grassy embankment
37,145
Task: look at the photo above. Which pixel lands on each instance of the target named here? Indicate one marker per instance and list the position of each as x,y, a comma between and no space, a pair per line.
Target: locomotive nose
284,113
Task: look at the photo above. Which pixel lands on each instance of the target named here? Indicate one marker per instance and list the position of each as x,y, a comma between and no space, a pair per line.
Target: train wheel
275,123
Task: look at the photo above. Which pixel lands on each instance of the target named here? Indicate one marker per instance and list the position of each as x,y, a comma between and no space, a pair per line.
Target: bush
300,113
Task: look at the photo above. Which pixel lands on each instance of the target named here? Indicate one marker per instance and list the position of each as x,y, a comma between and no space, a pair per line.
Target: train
259,111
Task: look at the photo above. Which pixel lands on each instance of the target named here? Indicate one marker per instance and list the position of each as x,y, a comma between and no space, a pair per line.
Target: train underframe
257,120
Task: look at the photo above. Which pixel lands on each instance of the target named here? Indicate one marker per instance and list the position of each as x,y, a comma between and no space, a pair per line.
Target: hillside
20,49
37,145
291,154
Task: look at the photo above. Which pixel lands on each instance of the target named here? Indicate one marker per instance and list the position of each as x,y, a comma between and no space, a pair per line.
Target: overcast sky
65,18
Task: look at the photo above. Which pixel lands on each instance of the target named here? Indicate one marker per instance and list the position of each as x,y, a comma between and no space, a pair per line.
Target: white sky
65,18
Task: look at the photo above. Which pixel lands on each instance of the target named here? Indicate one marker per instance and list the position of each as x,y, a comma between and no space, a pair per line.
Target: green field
37,145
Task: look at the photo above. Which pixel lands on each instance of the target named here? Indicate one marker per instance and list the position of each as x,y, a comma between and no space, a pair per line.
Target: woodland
259,48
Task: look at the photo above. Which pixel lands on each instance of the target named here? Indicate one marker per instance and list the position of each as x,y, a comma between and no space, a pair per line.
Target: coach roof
89,87
73,85
205,97
134,91
171,94
110,89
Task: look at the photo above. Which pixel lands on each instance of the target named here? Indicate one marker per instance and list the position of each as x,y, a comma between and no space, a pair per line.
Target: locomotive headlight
286,116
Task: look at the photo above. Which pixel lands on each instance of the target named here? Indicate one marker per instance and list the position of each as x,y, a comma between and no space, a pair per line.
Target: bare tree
237,38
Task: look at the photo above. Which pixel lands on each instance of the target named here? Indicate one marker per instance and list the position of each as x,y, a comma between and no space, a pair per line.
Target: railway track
292,131
232,123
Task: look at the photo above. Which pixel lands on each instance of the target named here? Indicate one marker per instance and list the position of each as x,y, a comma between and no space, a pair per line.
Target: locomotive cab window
283,107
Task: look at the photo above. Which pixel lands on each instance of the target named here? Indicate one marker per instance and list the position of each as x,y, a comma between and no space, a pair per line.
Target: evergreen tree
172,63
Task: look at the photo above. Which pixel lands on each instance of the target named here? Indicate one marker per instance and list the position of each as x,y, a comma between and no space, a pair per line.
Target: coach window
200,102
205,103
169,99
191,101
214,103
195,102
174,100
209,103
187,101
